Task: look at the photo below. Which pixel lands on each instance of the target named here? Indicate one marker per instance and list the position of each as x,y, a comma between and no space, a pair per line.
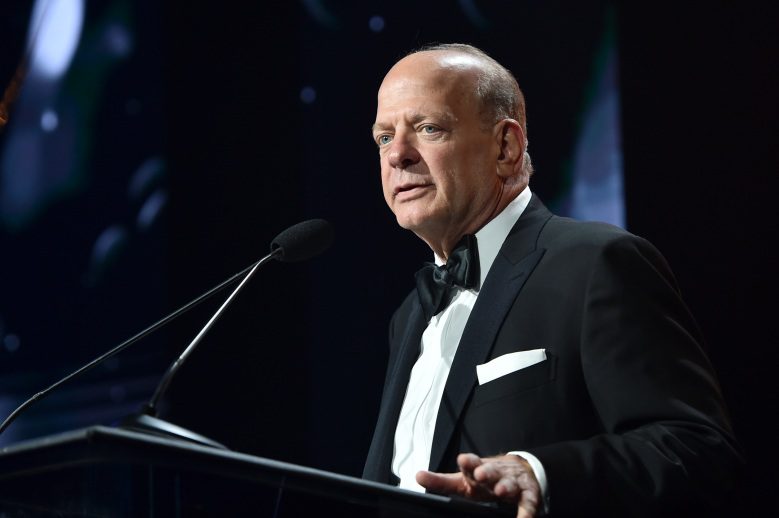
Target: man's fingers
453,484
489,472
528,504
444,483
467,463
507,478
507,489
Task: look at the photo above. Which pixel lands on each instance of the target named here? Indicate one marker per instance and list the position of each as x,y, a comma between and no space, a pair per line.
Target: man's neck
443,246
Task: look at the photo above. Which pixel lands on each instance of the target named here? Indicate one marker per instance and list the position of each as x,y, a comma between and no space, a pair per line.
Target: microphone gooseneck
124,345
151,406
297,243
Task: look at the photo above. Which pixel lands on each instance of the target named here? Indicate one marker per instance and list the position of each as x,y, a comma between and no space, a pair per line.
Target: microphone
297,243
302,241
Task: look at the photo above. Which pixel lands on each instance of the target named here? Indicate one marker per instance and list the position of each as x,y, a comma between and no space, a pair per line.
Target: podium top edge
101,444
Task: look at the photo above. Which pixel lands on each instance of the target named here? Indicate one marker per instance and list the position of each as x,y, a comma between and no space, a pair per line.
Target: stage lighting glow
151,209
11,343
146,177
49,120
376,23
118,40
308,95
107,247
55,28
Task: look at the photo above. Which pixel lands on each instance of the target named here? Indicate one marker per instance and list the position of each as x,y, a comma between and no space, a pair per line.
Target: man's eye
384,139
429,129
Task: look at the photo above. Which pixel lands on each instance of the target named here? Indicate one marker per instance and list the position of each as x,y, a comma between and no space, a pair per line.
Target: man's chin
412,223
421,226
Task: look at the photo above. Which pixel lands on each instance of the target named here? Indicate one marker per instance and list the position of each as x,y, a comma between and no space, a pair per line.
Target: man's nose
402,153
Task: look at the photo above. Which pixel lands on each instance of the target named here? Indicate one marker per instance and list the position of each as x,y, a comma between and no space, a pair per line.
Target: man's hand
508,478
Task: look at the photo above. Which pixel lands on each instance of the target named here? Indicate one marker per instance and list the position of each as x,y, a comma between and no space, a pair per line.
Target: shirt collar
492,235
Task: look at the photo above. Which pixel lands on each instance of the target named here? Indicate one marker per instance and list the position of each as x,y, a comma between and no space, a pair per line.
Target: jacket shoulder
560,230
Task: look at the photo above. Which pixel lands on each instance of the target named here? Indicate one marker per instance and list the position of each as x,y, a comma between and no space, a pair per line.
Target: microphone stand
146,420
297,243
127,343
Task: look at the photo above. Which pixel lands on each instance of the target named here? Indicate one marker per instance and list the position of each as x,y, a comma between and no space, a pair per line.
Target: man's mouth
410,189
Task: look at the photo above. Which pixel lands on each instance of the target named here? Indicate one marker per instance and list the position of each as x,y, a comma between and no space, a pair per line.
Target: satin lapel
378,464
512,267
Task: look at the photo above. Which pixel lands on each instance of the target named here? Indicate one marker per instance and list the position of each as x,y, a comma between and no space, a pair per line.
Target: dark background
294,370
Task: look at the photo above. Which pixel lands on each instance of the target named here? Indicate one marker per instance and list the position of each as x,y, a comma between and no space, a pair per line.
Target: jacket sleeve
667,446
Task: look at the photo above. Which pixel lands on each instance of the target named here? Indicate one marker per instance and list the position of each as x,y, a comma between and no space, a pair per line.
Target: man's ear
511,145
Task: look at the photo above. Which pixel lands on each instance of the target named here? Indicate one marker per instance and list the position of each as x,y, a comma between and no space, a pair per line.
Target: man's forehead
420,97
431,70
435,84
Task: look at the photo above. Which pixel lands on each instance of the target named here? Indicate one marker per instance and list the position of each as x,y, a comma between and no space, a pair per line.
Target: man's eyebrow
417,117
378,127
439,116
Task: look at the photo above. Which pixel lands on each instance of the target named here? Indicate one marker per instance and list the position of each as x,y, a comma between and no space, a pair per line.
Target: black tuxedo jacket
625,414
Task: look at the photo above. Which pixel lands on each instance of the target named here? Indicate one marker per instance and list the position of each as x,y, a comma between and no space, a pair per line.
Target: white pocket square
508,363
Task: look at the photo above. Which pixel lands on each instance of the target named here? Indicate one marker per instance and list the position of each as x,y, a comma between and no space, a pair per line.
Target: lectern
102,471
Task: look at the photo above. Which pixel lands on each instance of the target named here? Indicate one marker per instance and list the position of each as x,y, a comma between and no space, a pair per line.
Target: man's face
438,158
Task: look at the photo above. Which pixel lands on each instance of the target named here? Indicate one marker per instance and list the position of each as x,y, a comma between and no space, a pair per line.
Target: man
545,362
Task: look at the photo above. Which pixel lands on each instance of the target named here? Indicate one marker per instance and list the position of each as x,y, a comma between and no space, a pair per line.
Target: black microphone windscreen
303,241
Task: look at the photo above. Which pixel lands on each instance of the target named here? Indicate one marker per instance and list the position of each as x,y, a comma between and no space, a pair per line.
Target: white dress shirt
416,424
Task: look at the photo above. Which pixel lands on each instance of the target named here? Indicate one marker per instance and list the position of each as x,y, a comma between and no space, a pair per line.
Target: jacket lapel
378,465
518,257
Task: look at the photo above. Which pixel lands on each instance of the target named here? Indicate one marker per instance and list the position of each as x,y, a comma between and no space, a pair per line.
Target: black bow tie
437,285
